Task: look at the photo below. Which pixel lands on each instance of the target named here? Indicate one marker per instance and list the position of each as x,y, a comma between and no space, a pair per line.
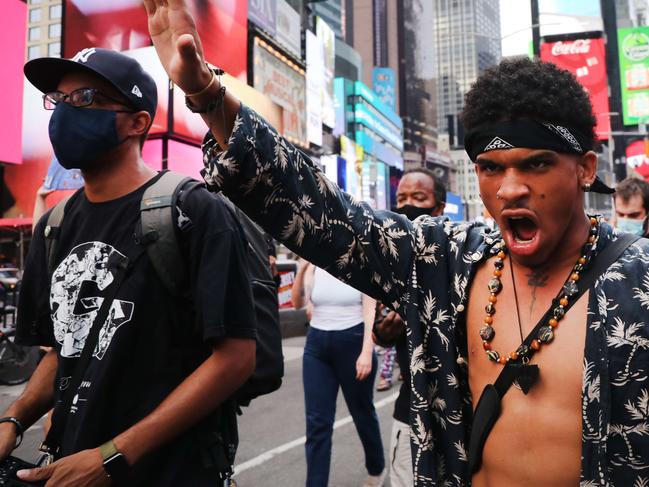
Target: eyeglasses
82,97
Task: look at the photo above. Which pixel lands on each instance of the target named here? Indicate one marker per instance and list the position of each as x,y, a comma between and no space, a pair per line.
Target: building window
35,1
34,52
55,12
54,49
55,31
35,15
34,33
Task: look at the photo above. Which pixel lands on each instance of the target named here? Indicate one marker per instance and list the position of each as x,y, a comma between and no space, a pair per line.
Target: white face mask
630,225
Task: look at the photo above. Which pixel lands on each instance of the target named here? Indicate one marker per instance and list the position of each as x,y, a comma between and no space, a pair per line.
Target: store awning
15,223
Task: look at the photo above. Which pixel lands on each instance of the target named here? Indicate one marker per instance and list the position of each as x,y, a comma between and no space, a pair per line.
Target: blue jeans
329,362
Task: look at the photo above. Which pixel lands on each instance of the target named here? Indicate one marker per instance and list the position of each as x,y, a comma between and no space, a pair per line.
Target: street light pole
536,29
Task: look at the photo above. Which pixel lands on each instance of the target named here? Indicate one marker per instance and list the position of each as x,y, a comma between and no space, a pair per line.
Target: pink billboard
585,58
12,38
122,25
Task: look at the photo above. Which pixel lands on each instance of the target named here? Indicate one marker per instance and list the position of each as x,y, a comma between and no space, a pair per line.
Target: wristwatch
115,463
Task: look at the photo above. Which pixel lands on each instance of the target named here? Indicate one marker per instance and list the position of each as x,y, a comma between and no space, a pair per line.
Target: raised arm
276,184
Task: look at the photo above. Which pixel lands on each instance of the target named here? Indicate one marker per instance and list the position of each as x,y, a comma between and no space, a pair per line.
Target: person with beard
554,303
419,193
161,364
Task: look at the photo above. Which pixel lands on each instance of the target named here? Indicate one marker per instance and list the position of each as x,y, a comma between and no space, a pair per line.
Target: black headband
530,134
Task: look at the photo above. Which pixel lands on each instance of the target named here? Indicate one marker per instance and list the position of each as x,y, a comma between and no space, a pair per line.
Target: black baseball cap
121,71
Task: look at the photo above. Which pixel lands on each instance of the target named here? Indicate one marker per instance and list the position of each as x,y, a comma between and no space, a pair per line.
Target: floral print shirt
424,269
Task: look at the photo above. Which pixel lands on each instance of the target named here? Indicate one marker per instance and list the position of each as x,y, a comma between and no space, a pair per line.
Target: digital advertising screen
13,39
122,25
633,51
585,58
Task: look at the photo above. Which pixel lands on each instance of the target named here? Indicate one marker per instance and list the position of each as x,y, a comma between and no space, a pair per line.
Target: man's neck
566,253
116,178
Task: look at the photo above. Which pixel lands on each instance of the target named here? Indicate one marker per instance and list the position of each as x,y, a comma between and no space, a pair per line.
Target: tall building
632,13
417,73
44,28
466,36
333,13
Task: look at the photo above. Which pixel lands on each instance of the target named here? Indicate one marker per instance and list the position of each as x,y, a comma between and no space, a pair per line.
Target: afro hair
522,88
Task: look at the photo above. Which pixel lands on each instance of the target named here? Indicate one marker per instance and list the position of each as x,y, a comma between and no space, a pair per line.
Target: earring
585,187
498,197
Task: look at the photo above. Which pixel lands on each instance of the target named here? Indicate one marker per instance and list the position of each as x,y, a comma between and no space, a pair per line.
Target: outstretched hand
177,43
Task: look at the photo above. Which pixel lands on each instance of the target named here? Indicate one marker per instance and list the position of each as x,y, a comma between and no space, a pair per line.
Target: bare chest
542,428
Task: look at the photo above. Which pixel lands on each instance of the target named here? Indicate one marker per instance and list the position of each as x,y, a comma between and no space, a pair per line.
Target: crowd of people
145,357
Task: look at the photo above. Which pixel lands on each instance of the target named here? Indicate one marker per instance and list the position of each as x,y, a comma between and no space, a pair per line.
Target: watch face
116,466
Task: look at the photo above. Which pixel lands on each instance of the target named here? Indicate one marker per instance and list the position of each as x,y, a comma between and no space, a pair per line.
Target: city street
271,450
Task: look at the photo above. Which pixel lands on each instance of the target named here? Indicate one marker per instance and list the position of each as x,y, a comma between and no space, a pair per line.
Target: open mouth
523,229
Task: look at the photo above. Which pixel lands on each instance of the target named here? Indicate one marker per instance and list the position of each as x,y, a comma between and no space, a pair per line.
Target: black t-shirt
151,340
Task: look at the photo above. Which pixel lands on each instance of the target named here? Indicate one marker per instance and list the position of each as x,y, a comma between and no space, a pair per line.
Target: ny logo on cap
82,56
136,91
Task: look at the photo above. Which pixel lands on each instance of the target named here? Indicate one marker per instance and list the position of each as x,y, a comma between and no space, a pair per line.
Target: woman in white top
338,354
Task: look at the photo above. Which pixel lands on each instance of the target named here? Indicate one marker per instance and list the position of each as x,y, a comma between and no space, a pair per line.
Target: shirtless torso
537,439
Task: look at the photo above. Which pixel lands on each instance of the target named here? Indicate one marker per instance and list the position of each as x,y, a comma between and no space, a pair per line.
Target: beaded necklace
546,333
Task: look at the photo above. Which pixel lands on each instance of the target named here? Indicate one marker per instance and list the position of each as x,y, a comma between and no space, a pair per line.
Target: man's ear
587,168
140,123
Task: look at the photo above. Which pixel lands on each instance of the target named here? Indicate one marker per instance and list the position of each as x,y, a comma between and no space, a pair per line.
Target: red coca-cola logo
580,46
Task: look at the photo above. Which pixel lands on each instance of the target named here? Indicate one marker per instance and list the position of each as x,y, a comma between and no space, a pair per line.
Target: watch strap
107,450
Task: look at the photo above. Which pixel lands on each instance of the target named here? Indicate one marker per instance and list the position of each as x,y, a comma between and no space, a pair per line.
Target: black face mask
413,212
80,136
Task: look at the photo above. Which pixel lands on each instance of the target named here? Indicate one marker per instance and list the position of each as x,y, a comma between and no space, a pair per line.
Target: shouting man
470,296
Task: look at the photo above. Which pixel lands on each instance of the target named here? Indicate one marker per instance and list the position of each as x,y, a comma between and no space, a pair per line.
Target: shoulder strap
53,230
158,229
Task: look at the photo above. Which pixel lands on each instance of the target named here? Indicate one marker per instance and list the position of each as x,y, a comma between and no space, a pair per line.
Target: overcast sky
515,22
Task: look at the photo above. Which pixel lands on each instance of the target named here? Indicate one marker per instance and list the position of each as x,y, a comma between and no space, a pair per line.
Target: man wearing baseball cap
162,363
527,344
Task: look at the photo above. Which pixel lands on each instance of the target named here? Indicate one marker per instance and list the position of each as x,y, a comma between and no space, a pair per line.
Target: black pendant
526,376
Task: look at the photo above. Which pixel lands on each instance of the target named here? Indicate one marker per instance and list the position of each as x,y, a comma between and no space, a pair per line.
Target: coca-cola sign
580,46
585,58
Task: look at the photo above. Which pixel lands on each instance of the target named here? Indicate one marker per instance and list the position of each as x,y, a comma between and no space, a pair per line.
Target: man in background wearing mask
632,206
419,193
162,363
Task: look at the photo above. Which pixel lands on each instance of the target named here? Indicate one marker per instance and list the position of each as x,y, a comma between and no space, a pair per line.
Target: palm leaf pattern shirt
424,269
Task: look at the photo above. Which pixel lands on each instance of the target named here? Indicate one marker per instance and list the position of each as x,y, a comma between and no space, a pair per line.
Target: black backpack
158,232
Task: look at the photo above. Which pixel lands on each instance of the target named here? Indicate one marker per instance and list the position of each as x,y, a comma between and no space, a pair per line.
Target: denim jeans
329,362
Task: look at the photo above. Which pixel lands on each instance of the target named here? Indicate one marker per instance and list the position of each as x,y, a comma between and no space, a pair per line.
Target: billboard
314,88
263,13
122,25
633,50
289,28
13,39
569,16
585,58
385,84
327,40
284,85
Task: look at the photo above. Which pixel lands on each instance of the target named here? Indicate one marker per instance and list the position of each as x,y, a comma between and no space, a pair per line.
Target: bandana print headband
531,135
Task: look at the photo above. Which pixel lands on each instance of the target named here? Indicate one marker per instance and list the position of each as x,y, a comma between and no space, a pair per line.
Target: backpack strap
52,231
158,229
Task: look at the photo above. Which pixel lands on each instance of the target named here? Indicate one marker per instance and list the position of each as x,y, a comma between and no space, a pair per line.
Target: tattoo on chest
536,279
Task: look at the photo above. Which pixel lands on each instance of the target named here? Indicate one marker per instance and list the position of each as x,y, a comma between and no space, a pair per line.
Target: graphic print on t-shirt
79,285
